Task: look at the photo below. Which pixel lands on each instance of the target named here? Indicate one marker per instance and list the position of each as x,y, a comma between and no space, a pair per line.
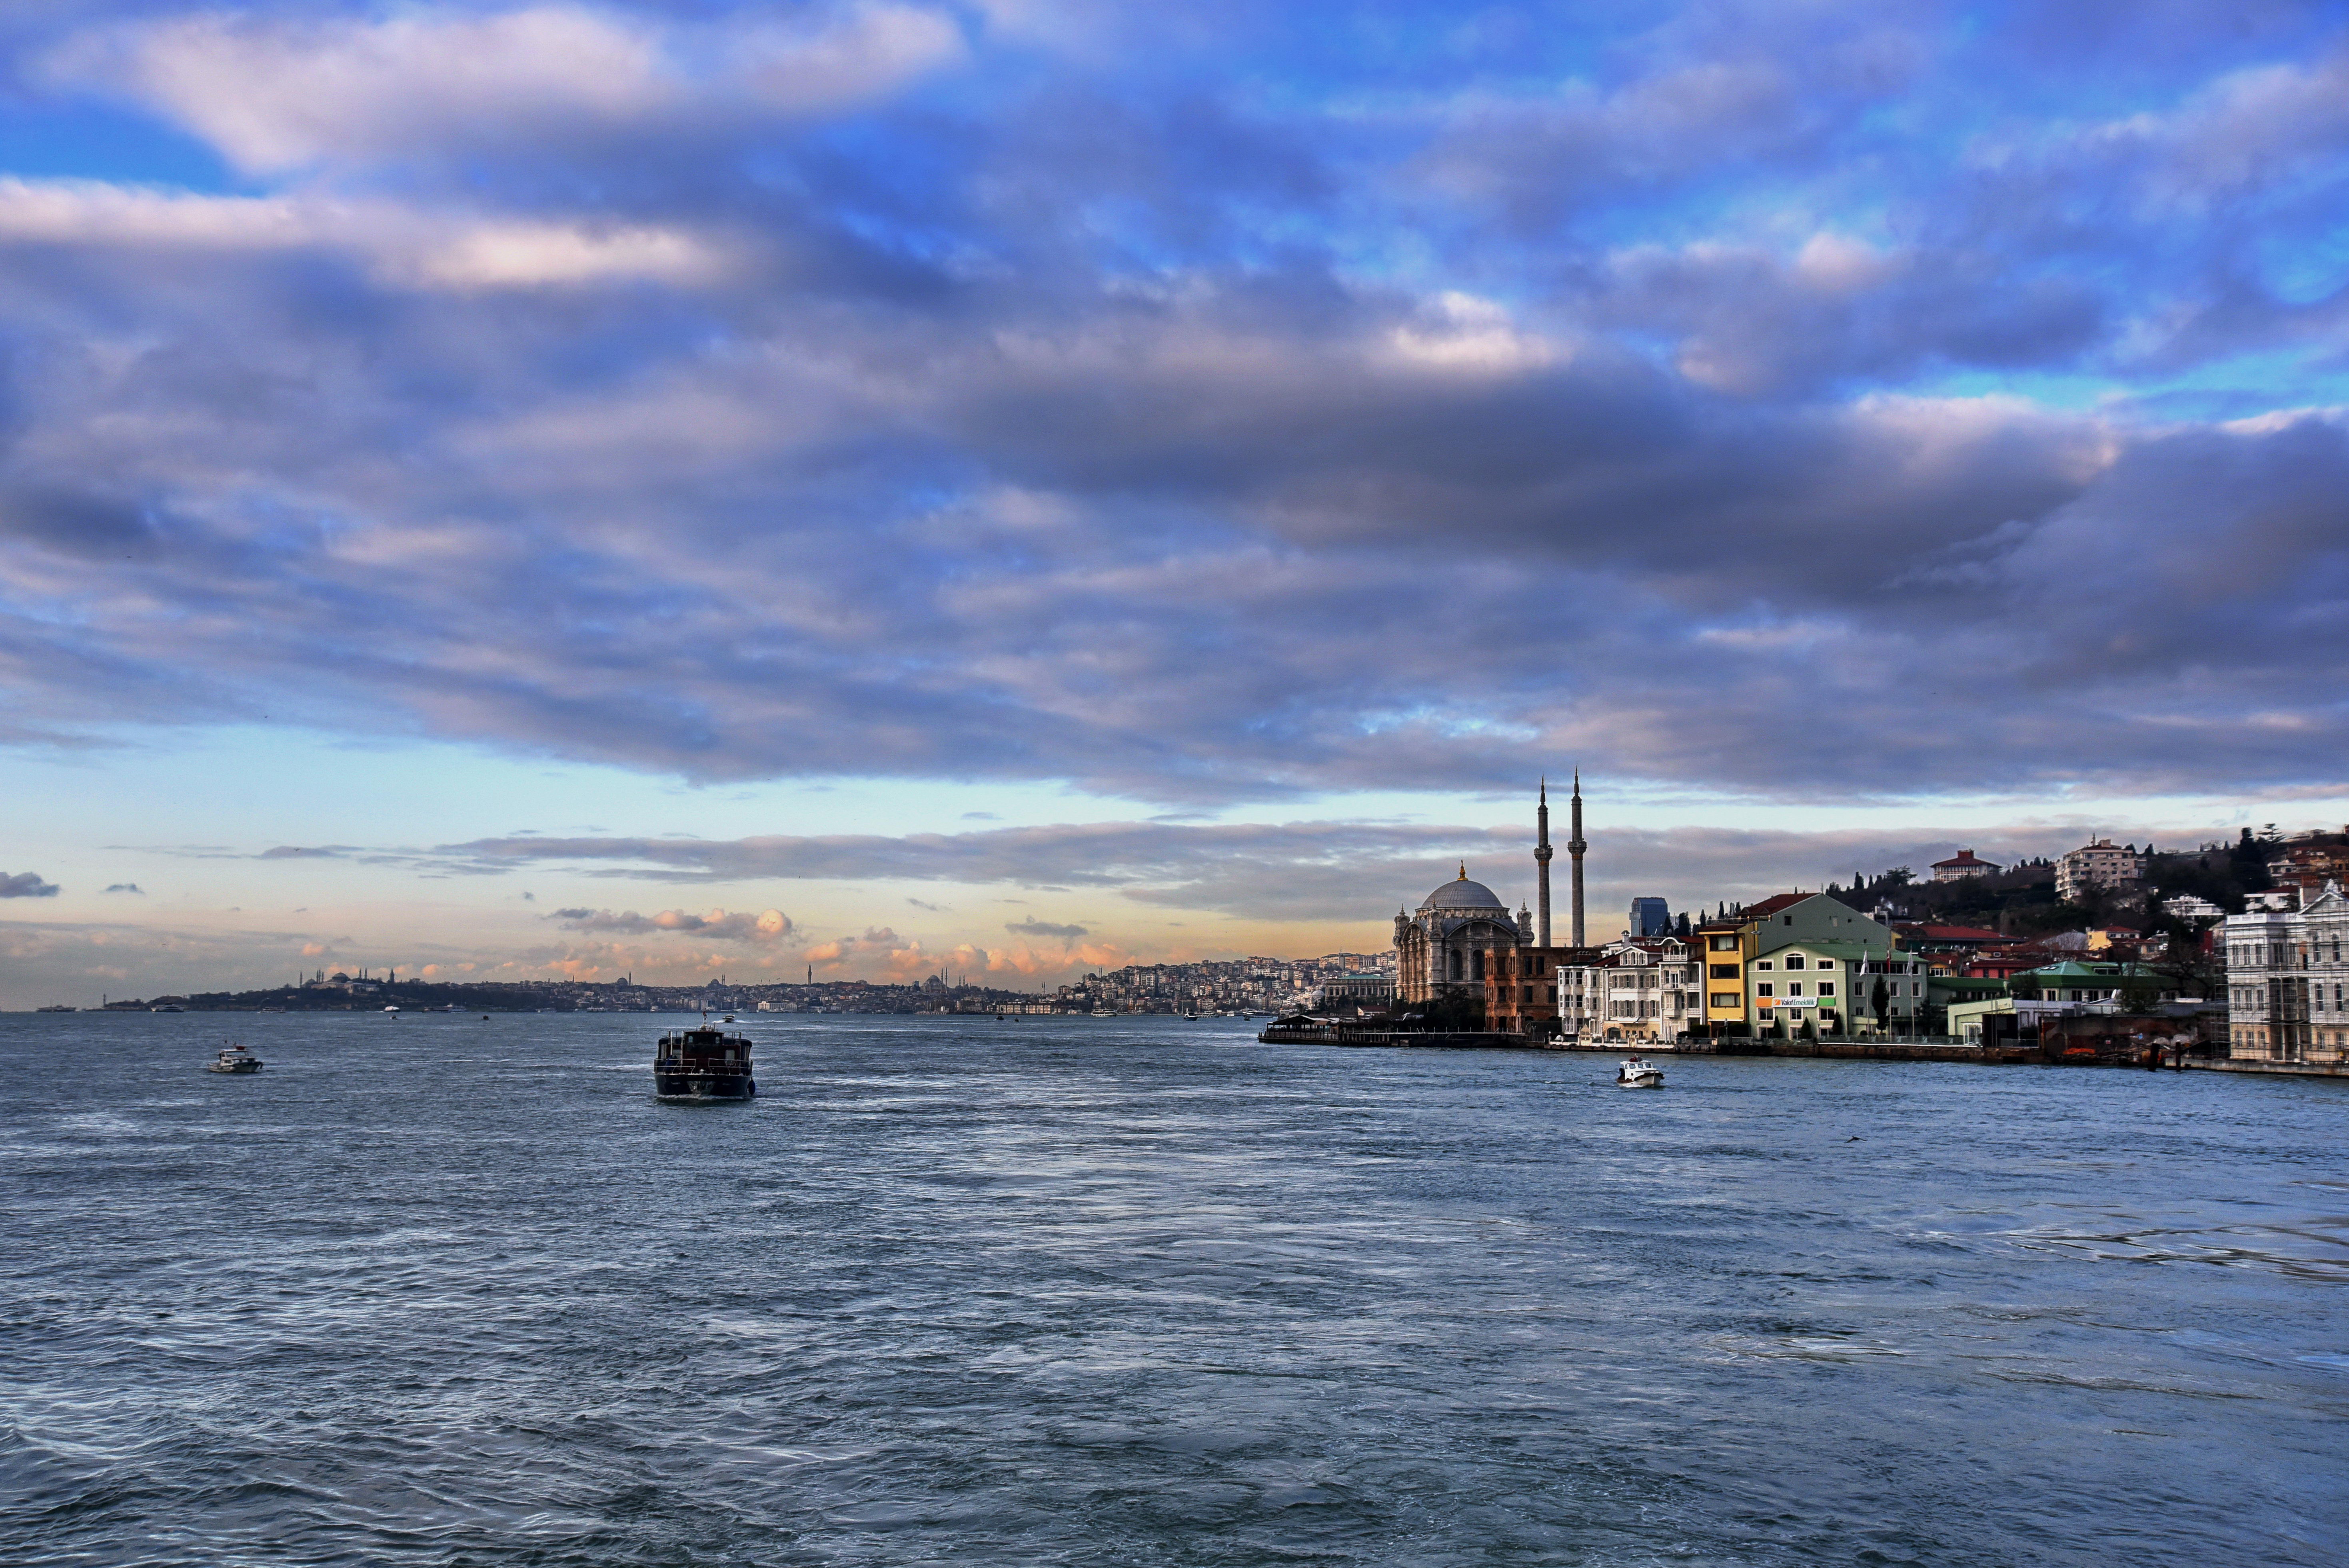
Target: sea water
443,1290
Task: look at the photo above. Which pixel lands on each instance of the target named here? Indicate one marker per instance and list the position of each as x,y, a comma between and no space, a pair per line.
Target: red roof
1966,858
1773,904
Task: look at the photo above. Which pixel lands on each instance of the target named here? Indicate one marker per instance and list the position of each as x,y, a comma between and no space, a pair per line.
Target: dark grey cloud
718,924
1046,928
134,887
1318,870
1501,394
26,884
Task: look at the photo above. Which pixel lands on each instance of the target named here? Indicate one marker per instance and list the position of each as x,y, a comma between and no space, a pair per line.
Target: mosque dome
1462,894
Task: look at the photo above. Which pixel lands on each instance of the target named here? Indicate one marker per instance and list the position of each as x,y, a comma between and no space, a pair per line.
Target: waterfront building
2099,866
1537,990
1720,946
1367,991
2287,981
1729,946
1644,990
1832,985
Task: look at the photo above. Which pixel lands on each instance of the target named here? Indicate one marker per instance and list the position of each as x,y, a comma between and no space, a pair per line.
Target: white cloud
402,245
274,96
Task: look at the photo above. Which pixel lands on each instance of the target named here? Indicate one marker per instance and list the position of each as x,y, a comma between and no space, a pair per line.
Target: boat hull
694,1086
239,1069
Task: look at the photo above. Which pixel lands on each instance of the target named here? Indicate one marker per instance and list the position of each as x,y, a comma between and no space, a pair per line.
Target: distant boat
59,1009
168,1007
393,1011
233,1059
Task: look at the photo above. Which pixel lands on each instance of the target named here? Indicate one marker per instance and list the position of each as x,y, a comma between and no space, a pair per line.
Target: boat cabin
706,1049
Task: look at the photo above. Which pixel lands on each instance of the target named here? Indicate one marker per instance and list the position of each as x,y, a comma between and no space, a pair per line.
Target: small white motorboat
233,1059
1636,1073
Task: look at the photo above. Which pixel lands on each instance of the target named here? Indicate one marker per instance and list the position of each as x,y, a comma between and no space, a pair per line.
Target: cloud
277,96
26,884
126,887
1015,393
400,246
875,940
1045,928
768,926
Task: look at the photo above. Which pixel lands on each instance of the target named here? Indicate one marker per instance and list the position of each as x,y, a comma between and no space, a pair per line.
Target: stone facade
2288,982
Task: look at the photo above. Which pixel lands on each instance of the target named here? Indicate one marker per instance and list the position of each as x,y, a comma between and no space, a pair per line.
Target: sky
687,489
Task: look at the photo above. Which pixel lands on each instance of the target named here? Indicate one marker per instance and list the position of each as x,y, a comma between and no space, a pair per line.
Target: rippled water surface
443,1291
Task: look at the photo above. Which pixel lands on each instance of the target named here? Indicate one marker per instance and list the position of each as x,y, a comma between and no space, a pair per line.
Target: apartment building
2098,865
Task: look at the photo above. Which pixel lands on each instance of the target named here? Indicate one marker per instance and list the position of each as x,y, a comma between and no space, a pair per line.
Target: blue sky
859,485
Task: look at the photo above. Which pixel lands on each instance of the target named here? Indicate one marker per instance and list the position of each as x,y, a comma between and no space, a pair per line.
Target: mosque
1464,936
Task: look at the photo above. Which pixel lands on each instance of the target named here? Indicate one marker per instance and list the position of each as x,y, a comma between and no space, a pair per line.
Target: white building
2288,982
1964,864
1648,989
2102,864
2188,906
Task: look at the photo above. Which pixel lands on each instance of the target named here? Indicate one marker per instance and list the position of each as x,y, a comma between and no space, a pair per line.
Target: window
1725,1001
1795,961
1793,987
1763,989
1476,962
1826,987
1723,944
1762,963
1915,989
1790,920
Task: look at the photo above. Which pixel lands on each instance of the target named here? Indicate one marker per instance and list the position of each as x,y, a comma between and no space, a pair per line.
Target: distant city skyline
578,488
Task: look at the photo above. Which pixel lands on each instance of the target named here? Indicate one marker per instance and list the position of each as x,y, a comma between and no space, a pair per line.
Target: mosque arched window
1477,964
1456,963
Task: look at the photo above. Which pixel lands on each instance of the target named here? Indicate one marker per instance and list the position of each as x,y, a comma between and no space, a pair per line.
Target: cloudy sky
692,487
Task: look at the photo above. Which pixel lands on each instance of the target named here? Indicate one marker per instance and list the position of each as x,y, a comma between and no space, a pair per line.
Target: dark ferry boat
703,1063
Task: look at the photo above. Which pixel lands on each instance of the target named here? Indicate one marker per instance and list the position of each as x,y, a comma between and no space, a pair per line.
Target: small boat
1637,1074
233,1059
703,1063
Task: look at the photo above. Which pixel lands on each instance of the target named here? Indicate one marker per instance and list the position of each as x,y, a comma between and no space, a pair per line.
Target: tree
1880,1001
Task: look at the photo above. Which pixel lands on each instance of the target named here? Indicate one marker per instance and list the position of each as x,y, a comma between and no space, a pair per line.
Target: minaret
1574,848
1542,853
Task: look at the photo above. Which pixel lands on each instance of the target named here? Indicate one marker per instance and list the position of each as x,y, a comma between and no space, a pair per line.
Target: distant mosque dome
1462,893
